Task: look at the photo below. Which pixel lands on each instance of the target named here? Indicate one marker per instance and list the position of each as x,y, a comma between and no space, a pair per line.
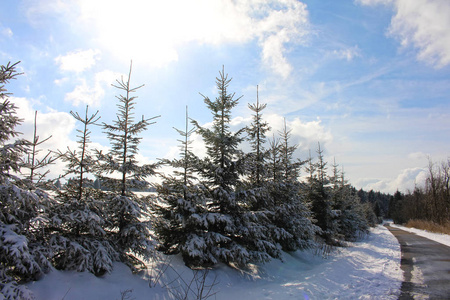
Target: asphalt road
426,267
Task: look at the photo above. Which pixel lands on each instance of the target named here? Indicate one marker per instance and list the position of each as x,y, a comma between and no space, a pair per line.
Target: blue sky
368,79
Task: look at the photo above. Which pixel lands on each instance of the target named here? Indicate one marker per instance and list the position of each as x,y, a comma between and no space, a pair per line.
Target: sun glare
151,31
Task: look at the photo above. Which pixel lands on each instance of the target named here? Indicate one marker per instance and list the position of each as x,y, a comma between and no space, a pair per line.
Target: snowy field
369,269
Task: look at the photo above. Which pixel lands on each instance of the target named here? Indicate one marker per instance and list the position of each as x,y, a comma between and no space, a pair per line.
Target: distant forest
428,202
230,206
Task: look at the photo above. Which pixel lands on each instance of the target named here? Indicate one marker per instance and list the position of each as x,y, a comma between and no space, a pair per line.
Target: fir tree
123,135
274,160
11,151
179,225
221,169
257,138
319,195
80,163
22,213
126,210
258,203
347,217
293,228
33,163
227,236
289,168
80,231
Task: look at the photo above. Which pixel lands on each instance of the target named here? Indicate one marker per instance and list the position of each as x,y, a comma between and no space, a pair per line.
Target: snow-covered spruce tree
256,169
79,237
22,212
337,201
34,163
181,204
319,195
273,163
258,204
228,238
353,216
119,173
292,218
11,151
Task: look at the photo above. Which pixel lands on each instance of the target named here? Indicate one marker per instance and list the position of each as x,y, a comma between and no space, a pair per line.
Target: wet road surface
426,267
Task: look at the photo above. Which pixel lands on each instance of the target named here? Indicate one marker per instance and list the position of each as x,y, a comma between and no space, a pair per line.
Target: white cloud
78,60
56,124
348,53
153,31
91,94
305,135
6,31
422,24
405,181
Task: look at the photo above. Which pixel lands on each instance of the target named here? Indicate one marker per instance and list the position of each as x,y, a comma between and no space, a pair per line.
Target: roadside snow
369,269
437,237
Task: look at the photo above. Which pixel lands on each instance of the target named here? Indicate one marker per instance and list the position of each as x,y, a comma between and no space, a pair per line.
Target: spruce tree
258,202
273,163
227,236
319,196
127,212
179,225
257,172
123,136
81,235
34,164
292,220
11,151
81,163
23,255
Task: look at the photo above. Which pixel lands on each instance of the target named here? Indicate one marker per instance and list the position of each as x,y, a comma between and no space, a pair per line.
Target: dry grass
429,226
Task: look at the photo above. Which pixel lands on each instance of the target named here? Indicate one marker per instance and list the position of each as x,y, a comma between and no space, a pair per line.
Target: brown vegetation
429,226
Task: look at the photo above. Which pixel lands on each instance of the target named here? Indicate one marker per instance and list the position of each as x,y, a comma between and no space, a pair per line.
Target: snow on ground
369,269
437,237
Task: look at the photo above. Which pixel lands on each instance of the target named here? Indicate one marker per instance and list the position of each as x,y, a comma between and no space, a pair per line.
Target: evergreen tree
82,163
11,151
257,172
126,210
228,235
348,215
81,233
291,219
258,203
23,256
320,197
179,225
123,135
273,163
33,163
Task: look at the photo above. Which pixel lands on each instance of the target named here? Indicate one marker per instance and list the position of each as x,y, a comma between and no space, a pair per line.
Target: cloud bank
153,31
422,24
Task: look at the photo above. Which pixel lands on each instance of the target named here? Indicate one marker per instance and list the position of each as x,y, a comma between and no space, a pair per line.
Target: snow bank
437,237
369,269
